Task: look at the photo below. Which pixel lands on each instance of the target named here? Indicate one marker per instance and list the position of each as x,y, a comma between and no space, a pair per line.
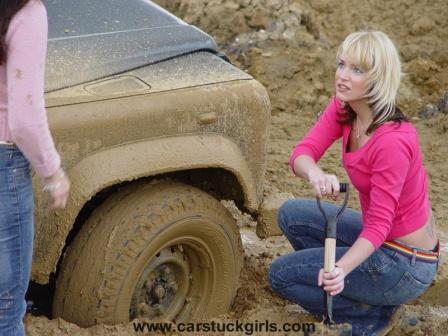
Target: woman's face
350,81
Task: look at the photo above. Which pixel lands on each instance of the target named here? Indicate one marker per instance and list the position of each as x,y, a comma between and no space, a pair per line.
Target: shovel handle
330,240
330,247
330,254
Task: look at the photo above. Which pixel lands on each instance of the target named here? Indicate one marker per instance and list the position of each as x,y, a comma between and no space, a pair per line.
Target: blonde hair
376,54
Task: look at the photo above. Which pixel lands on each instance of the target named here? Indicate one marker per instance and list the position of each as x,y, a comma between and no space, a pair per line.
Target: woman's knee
273,278
294,212
284,211
287,270
286,215
290,287
281,275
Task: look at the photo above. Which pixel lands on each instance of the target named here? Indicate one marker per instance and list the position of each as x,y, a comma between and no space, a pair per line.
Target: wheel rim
175,280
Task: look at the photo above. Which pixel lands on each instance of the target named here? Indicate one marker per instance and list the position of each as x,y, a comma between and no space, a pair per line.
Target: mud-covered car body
135,94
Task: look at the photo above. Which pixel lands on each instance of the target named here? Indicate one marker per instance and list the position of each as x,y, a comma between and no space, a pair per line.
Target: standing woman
388,254
24,138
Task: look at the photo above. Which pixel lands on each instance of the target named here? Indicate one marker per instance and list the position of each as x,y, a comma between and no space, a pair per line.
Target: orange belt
423,255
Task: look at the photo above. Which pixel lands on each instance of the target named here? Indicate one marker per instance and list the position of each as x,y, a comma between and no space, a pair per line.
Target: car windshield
92,39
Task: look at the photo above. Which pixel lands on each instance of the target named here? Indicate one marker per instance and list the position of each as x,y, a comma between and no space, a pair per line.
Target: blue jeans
16,238
372,291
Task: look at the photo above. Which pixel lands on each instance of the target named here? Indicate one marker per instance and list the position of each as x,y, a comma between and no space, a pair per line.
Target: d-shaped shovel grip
330,229
330,223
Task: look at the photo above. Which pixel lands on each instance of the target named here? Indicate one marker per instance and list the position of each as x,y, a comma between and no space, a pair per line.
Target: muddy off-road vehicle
155,127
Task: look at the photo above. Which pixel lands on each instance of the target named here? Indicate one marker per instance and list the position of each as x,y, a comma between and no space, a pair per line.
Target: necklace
358,133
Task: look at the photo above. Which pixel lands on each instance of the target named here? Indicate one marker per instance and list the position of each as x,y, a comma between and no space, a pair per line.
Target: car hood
93,39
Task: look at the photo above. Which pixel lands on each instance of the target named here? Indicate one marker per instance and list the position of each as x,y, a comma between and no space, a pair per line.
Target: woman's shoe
404,321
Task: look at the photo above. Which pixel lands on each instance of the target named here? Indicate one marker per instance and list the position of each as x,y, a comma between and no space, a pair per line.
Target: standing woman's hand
58,187
324,184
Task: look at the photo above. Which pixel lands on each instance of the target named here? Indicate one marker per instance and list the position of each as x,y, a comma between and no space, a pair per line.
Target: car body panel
220,125
93,39
196,69
135,96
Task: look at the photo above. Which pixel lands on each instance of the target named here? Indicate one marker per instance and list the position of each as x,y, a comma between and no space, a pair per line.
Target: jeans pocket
381,261
21,173
22,182
407,289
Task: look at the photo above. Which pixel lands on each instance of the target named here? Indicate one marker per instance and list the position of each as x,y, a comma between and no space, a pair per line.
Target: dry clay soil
289,46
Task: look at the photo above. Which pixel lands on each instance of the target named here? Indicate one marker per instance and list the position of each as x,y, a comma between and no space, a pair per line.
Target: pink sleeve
26,54
390,160
326,131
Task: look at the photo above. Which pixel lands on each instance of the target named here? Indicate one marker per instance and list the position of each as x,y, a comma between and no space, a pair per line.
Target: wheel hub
156,294
164,285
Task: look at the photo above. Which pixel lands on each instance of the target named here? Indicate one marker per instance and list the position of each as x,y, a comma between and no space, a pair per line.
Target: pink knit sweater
387,172
23,117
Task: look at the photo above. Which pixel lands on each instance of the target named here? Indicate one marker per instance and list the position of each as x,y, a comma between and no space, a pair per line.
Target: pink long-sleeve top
23,117
387,171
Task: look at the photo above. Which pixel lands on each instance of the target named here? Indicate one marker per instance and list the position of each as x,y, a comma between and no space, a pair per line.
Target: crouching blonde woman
388,253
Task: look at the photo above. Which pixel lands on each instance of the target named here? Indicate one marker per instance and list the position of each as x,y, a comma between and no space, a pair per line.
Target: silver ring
323,188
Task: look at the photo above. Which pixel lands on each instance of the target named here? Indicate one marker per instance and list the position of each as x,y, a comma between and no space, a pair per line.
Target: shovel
330,247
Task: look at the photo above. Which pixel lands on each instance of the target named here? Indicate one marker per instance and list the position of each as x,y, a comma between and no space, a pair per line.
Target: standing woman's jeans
372,291
16,238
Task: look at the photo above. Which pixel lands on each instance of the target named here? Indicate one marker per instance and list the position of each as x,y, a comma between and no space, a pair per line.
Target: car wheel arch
222,155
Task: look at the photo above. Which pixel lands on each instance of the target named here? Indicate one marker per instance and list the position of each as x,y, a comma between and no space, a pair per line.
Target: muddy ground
289,46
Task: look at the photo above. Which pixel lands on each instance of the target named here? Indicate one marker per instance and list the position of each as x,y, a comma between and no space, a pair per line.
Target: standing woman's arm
26,42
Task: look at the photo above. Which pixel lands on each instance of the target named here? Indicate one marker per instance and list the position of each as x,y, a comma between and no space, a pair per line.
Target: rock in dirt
443,103
429,111
267,218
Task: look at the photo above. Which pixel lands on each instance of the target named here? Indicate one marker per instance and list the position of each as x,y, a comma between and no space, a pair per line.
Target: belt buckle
437,251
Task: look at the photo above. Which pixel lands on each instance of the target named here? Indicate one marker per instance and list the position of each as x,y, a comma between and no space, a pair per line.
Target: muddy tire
160,251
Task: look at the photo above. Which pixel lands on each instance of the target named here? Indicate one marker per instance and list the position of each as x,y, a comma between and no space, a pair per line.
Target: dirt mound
289,45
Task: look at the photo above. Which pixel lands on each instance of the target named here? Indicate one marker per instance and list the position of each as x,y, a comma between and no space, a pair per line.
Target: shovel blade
329,309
